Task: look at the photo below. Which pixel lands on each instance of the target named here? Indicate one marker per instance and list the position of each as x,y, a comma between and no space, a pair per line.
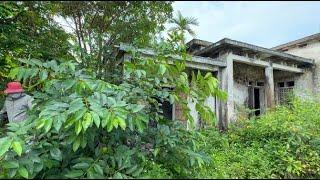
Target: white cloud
262,23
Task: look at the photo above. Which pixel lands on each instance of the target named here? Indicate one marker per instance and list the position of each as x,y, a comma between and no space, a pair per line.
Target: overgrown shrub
83,127
284,143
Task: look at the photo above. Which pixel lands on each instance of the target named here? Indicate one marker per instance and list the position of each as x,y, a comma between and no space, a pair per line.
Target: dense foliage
281,144
27,30
82,126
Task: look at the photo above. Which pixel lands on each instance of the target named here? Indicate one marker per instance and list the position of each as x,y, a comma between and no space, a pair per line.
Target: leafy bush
83,127
281,144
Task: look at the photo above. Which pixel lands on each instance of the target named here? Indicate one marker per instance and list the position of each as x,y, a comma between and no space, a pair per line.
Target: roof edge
298,41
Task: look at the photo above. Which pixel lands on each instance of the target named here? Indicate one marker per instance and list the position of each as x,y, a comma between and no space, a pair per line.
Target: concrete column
226,108
269,86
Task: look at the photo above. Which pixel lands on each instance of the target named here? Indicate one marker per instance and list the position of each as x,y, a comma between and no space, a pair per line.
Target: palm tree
182,24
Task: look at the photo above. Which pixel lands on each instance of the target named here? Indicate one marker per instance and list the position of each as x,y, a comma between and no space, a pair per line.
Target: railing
283,94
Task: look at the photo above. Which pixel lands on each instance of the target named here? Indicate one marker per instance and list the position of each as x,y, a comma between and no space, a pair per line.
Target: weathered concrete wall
240,93
210,101
304,83
193,112
312,50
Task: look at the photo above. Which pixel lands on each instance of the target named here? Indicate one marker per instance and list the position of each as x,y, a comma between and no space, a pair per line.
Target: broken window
285,90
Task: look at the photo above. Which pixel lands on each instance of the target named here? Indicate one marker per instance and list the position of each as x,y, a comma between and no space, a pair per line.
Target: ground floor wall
249,85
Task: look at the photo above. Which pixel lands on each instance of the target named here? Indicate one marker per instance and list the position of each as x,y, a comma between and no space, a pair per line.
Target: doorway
256,101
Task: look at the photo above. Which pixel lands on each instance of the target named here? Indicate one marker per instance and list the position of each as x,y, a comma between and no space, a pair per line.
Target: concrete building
255,78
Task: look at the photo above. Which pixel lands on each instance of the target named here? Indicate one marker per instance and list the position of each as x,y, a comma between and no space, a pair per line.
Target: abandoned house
255,78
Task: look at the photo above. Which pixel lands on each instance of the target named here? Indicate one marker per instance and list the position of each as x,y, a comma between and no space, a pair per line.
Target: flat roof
268,52
198,42
195,59
298,41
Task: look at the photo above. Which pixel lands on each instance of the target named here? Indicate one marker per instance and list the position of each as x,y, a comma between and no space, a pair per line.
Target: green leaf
81,165
40,123
137,172
17,147
98,169
106,118
23,172
76,105
11,164
74,174
58,123
48,125
78,127
162,69
87,121
122,123
56,154
96,118
43,75
12,173
111,101
13,73
76,144
138,108
132,169
5,144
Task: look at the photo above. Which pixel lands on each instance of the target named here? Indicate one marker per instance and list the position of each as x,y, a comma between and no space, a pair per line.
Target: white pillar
226,108
269,86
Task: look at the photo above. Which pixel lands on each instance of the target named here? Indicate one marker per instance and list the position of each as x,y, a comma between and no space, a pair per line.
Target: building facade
255,78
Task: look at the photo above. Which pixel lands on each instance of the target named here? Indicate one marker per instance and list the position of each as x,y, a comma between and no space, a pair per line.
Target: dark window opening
167,110
257,101
250,83
281,84
290,83
260,84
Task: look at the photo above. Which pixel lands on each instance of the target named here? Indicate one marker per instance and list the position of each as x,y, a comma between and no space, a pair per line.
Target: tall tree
27,30
99,26
183,25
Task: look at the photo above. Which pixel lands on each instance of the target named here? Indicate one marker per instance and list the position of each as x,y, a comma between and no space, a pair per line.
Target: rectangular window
281,84
260,84
290,84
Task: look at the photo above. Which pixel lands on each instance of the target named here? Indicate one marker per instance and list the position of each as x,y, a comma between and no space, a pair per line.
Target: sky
265,24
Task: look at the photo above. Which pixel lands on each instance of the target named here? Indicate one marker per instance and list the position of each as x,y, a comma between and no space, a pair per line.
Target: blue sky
266,24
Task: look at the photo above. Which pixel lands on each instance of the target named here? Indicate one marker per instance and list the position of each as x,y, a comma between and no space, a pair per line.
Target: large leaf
48,125
76,144
81,165
106,119
74,174
96,118
11,164
23,172
76,105
78,127
17,147
122,123
138,108
5,144
98,169
87,121
43,75
56,154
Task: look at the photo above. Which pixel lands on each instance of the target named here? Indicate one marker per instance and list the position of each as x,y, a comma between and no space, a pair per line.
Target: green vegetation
96,116
281,144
